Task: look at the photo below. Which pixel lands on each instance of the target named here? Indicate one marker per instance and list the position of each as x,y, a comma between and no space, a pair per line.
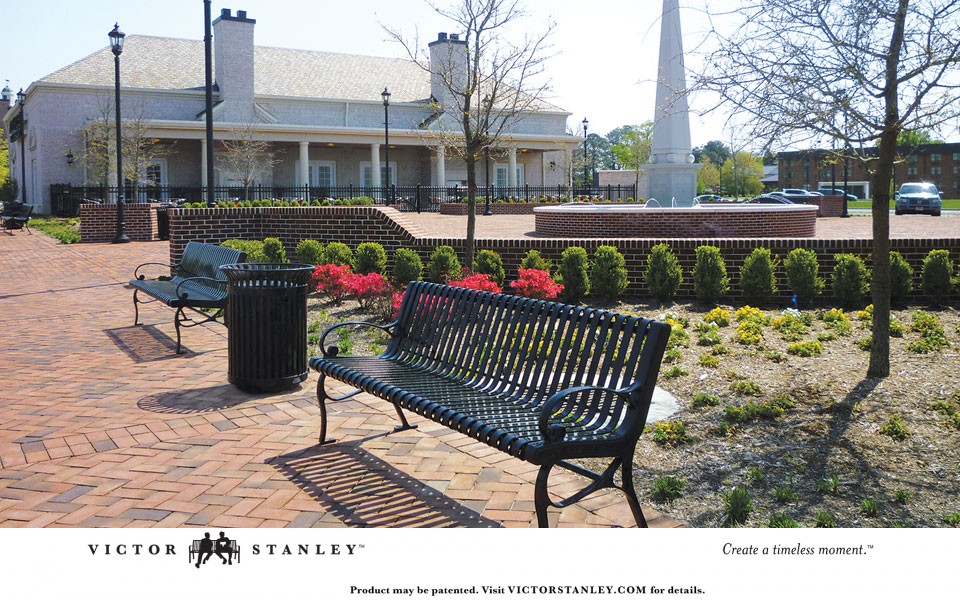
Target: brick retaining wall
496,208
354,225
98,222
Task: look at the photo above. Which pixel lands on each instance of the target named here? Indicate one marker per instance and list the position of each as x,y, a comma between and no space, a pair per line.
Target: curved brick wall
626,221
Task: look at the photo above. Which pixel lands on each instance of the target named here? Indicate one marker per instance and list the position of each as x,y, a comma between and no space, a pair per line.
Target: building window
911,170
956,170
787,163
912,158
956,156
501,172
367,177
321,173
935,157
936,170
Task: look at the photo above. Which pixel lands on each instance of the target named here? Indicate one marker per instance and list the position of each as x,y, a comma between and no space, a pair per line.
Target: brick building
812,169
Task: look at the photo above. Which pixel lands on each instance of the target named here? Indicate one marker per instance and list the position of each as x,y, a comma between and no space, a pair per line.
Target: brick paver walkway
101,424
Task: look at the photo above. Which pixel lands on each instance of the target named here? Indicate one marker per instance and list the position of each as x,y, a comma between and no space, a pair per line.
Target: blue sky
603,65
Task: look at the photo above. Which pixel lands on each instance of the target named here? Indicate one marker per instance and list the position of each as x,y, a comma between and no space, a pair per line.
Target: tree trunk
880,288
471,160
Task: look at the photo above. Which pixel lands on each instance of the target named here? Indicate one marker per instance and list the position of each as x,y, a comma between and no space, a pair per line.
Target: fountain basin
705,221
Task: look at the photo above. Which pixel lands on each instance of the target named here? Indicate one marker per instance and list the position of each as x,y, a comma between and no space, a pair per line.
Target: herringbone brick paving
102,425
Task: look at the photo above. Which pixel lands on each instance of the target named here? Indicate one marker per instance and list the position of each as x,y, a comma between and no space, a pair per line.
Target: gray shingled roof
167,63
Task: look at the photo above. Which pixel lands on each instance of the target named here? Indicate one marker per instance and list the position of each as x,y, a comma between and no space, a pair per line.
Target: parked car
918,198
706,198
836,192
798,195
771,198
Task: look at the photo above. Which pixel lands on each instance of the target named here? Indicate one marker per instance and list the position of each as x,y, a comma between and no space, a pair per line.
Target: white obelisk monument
671,174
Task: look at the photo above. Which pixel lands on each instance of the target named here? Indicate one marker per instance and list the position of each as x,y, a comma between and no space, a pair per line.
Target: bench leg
540,497
136,308
322,397
403,420
177,319
626,477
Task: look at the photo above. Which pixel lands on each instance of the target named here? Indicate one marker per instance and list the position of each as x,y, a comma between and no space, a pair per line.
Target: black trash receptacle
267,325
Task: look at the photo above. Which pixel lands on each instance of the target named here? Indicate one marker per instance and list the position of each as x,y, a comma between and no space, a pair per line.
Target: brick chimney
448,62
233,62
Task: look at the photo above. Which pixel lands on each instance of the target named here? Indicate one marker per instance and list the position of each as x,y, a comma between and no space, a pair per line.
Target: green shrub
310,252
490,264
737,506
675,371
704,399
825,520
869,507
894,428
407,266
805,349
746,387
574,274
663,275
901,496
837,320
370,257
932,336
749,333
667,488
784,494
937,275
718,316
850,280
782,521
253,248
608,277
952,519
758,276
65,230
710,281
751,314
337,253
901,278
802,270
672,433
444,266
791,327
533,260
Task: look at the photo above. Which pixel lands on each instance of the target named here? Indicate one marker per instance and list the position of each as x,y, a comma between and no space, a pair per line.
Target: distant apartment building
812,169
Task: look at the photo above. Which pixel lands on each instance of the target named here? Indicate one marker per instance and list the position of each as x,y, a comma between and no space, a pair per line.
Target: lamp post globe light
586,175
385,94
116,44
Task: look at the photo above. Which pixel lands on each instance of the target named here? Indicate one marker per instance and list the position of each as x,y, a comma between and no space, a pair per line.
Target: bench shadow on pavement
361,490
145,343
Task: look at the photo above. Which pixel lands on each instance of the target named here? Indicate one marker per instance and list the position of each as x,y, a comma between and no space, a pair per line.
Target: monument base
672,184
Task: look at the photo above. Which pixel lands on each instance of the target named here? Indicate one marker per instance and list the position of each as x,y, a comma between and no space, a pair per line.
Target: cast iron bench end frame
17,216
208,292
583,420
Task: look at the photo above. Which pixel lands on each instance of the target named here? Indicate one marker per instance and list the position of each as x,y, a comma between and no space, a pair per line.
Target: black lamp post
116,44
19,128
486,117
385,94
846,166
586,175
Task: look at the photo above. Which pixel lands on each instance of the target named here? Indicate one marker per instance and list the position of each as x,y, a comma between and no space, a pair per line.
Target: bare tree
858,71
140,151
246,157
487,91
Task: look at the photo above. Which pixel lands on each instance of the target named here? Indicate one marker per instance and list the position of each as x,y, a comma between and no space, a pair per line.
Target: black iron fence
66,198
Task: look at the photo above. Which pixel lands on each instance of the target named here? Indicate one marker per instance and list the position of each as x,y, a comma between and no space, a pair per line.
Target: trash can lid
286,272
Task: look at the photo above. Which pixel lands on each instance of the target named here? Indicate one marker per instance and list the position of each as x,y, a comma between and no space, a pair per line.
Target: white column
304,163
441,166
203,166
512,175
375,165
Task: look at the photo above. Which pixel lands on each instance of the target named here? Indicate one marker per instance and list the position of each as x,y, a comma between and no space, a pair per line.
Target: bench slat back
524,350
205,260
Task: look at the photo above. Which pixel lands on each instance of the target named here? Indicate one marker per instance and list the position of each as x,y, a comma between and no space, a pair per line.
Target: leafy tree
634,146
741,174
483,99
708,178
715,151
916,137
866,70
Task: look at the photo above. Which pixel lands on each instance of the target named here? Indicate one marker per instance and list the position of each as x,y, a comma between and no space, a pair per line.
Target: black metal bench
17,216
542,381
197,284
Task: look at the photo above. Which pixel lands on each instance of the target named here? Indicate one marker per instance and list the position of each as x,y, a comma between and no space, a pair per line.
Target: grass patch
782,521
745,387
65,230
667,488
825,520
709,361
894,428
805,349
784,494
675,371
870,508
737,507
671,433
701,399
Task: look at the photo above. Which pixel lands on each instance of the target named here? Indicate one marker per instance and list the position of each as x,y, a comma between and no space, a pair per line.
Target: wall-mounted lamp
70,157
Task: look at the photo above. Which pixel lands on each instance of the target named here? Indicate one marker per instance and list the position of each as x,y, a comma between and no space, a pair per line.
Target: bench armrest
218,283
560,405
138,275
333,350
